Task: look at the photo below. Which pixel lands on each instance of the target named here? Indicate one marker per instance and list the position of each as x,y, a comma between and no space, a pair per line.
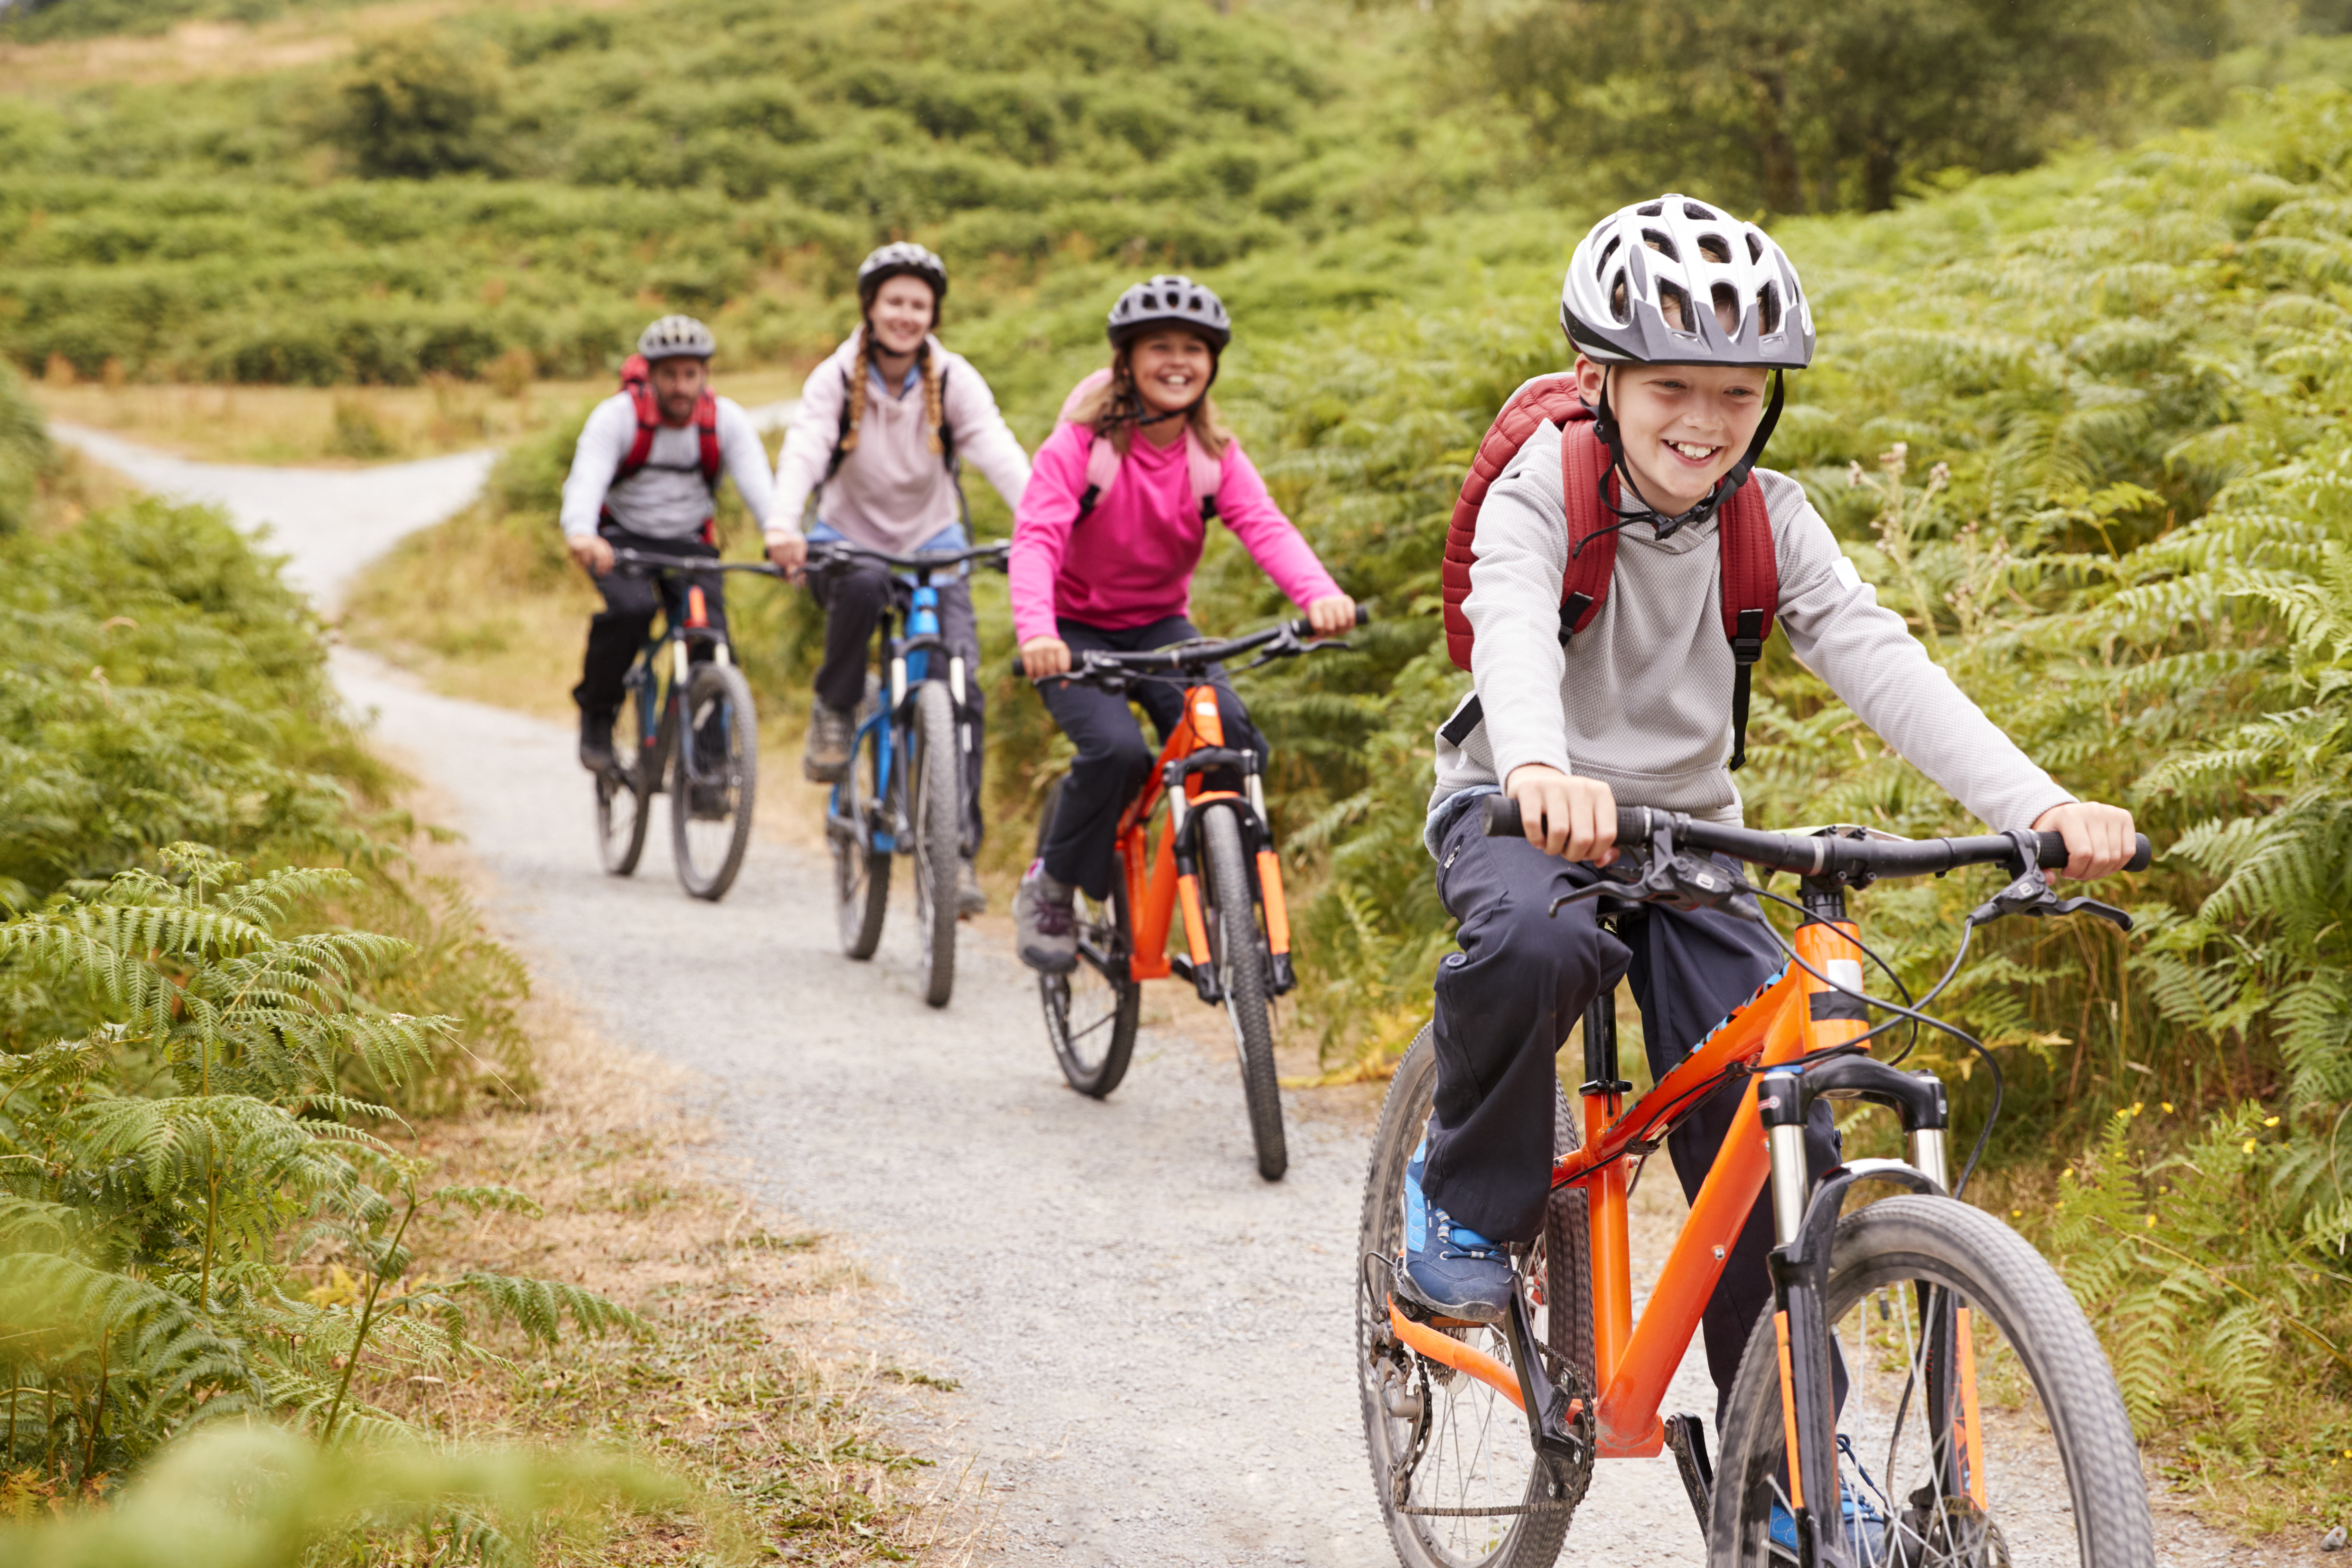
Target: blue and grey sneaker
1448,1267
1865,1530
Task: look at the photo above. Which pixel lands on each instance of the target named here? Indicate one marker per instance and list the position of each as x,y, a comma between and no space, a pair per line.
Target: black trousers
618,631
854,598
1113,761
1506,1001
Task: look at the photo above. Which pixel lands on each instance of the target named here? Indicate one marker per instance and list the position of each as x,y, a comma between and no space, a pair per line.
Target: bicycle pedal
1687,1437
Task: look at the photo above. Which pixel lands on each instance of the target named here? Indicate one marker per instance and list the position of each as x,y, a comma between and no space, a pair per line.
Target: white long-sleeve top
893,492
1641,698
666,499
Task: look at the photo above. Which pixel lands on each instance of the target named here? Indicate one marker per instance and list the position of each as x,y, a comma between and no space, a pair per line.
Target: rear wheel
1241,959
1091,1012
621,790
935,816
1441,1440
861,874
714,779
2056,1480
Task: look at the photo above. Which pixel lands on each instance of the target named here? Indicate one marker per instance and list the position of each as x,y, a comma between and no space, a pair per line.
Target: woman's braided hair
934,413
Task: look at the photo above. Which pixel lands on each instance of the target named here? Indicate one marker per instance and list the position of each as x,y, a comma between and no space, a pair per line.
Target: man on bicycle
1681,318
643,478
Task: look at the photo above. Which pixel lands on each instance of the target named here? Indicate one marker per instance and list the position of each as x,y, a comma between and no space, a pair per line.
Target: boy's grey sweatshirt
1641,698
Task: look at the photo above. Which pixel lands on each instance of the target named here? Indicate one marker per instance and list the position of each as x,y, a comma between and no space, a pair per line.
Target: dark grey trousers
1507,1000
854,598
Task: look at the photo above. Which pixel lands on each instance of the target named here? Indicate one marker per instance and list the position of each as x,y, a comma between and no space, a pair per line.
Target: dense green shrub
413,105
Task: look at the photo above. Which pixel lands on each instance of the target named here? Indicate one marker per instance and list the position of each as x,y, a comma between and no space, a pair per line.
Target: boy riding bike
643,478
882,429
1591,696
1104,545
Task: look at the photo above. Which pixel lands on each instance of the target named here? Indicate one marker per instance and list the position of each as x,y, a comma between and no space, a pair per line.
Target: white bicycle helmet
1652,283
902,259
1171,299
677,337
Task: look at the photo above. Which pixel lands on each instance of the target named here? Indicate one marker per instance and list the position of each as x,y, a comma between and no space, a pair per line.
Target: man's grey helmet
1647,284
677,337
902,259
1170,299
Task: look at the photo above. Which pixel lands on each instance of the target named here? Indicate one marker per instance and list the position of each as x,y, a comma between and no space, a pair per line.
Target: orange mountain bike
1925,1391
1214,860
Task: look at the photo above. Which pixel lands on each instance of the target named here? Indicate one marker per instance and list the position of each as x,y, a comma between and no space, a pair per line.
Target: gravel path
1153,1345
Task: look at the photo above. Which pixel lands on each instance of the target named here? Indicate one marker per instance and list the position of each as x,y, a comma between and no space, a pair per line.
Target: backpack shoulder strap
1592,541
641,446
1750,577
1546,398
1204,472
706,426
840,431
947,426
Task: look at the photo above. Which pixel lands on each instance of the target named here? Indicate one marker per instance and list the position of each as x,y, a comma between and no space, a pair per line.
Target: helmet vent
1601,267
1767,310
1726,308
1661,244
1755,246
1675,307
1711,246
1617,305
1652,210
1692,210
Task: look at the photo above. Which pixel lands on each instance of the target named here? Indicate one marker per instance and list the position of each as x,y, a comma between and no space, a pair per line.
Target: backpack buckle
1748,639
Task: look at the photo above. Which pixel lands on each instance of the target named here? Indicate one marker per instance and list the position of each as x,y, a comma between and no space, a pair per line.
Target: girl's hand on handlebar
788,547
2099,838
1332,615
593,553
1574,818
1044,655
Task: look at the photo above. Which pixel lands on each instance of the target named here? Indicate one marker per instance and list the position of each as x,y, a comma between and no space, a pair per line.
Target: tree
1792,106
413,106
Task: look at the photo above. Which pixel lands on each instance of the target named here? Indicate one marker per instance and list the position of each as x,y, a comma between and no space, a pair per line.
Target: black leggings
1112,761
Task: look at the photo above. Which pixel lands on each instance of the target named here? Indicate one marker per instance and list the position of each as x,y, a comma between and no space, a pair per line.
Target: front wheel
621,790
1091,1012
861,873
714,779
935,814
1935,1306
1241,959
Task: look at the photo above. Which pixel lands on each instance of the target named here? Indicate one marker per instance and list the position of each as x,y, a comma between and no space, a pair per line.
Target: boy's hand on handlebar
788,549
2099,838
1575,818
1044,655
593,553
1332,615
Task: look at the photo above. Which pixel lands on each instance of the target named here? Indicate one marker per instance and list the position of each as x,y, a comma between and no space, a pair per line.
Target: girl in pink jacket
1103,554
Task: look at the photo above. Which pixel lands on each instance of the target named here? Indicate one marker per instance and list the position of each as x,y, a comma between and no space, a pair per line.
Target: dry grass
763,1381
342,427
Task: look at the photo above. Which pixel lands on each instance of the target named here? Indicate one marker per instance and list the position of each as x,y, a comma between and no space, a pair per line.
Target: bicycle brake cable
1888,968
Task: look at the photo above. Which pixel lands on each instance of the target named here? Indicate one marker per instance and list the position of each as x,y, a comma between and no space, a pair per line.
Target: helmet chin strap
1604,425
1140,419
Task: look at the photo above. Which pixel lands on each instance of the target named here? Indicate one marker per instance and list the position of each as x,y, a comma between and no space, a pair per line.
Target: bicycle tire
1091,1012
1240,954
1949,1247
935,820
861,874
1523,1540
713,791
620,793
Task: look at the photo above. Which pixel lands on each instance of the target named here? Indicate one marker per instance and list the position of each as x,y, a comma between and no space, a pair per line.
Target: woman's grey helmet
1170,299
1655,283
902,259
677,337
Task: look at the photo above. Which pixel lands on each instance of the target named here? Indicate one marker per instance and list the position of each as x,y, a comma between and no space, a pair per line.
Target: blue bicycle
903,793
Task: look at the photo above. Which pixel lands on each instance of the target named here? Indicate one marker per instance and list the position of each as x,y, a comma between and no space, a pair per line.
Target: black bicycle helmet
1171,299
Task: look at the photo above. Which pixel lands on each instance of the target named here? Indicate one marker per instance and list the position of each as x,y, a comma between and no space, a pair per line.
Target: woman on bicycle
876,444
1103,554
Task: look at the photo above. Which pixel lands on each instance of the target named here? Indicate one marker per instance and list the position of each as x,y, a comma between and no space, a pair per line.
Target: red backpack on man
1750,577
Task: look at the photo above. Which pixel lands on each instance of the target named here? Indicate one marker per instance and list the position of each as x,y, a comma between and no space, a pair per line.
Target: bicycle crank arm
1551,1415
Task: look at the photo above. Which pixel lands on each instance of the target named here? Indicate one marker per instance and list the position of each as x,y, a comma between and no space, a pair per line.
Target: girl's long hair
1112,410
867,367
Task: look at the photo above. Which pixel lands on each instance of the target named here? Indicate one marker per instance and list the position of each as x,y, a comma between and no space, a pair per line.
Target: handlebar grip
1363,615
2052,851
1505,820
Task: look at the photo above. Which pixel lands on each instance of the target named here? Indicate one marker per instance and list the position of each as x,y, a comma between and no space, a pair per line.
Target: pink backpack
1103,458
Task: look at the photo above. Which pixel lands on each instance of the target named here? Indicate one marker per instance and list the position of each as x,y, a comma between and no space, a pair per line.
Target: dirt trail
1153,1344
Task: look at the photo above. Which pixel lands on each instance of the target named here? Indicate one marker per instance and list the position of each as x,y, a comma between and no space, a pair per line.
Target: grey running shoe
596,740
1045,927
972,899
830,733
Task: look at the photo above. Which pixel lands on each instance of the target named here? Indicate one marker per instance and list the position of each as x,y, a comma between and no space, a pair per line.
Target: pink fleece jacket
1130,562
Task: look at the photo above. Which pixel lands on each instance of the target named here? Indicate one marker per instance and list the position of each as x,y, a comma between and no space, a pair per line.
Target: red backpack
636,380
1751,576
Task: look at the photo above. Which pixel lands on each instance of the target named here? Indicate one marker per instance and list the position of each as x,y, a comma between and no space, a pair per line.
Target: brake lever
2030,895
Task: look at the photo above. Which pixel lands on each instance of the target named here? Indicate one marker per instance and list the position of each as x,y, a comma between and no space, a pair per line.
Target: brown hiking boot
830,733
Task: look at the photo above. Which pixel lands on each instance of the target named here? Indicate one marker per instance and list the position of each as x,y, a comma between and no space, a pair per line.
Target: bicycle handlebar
1813,856
645,561
829,550
1194,656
